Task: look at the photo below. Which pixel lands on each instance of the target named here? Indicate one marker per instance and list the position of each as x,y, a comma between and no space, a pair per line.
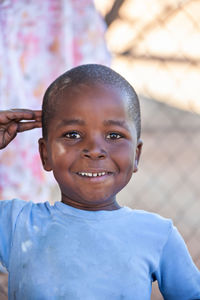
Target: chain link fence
156,46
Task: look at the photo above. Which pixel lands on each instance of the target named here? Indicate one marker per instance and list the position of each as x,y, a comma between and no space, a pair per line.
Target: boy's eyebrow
116,122
120,123
71,122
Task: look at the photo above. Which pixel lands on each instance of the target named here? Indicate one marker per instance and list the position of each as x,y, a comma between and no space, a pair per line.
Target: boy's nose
94,150
94,153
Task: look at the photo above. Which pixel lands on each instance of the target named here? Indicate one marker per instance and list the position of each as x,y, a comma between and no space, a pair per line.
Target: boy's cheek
125,164
57,152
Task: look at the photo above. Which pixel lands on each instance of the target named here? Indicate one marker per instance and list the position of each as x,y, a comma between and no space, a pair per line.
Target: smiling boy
92,132
87,246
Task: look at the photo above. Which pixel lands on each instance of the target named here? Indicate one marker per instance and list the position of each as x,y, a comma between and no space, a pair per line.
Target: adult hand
17,120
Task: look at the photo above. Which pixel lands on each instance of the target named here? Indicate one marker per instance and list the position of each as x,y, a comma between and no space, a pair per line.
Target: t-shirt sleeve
177,275
9,212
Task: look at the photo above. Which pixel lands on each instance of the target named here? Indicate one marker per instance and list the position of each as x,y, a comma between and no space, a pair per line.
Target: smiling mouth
93,174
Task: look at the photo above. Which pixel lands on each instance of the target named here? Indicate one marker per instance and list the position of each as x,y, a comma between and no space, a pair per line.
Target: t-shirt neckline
87,214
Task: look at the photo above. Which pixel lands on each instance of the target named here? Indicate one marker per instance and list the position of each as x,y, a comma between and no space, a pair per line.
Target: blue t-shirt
60,252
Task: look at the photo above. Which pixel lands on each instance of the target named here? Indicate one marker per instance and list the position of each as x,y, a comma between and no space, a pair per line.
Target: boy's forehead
91,92
85,101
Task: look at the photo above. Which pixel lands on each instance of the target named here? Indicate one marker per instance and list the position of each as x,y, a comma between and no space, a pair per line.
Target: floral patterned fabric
39,40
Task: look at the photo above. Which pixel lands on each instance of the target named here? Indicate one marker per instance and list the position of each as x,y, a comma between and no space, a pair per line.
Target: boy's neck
105,206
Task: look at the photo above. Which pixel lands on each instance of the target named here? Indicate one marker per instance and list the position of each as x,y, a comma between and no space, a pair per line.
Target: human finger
35,113
28,114
24,126
18,115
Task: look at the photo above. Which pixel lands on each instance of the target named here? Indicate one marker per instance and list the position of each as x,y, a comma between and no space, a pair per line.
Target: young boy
87,246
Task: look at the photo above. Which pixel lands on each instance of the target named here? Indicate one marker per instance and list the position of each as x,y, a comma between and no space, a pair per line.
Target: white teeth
91,174
101,174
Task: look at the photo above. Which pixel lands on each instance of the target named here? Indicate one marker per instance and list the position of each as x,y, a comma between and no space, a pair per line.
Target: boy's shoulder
13,206
147,215
150,216
150,229
150,221
16,206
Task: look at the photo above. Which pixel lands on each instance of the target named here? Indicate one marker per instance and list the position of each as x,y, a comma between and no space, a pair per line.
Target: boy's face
92,146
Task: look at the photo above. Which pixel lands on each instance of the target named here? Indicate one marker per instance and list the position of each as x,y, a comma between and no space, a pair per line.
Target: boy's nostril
101,156
94,153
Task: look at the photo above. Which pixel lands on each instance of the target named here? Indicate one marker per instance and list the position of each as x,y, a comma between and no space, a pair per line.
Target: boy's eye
72,135
114,136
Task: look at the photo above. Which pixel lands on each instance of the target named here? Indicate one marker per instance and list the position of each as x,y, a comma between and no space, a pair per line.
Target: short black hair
89,74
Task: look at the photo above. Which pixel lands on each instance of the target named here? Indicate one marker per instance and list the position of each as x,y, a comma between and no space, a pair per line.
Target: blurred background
156,46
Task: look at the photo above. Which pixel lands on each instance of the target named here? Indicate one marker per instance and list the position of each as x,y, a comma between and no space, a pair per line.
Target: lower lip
97,178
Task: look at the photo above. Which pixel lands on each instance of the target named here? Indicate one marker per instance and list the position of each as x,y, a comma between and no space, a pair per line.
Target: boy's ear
137,155
44,154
